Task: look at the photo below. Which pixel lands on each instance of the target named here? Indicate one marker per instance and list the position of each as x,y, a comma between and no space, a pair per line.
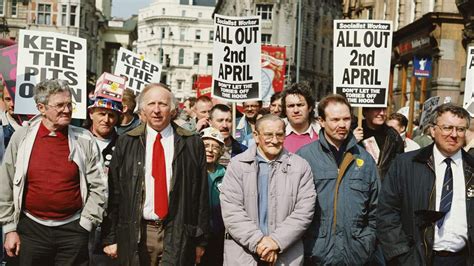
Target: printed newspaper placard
428,107
47,55
469,84
236,63
138,70
362,50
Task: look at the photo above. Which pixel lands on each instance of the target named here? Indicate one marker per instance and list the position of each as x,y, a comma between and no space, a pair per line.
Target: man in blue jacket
346,180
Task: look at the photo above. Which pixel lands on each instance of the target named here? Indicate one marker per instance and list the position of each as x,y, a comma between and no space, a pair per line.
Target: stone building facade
178,34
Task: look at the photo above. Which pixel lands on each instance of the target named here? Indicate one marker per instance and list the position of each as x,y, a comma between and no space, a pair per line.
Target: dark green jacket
187,223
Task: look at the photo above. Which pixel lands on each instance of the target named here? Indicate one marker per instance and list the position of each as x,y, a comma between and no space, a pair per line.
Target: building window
196,58
14,8
163,11
82,18
330,60
198,34
160,52
63,15
266,38
180,84
211,35
183,13
265,11
199,14
72,15
209,59
2,7
182,34
44,14
181,56
314,56
321,58
163,33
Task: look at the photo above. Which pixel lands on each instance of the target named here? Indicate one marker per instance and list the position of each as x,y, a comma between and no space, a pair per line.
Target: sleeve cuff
10,227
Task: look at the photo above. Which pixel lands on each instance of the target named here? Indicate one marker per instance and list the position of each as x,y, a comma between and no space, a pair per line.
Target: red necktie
158,171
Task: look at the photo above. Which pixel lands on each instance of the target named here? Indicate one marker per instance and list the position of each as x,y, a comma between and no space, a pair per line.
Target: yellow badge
359,162
142,57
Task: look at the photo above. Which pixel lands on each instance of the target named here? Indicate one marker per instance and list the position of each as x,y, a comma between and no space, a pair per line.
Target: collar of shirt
44,132
439,157
262,159
310,131
165,133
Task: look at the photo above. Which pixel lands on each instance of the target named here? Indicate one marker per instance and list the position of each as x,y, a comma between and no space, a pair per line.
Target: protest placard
428,107
470,108
137,70
362,50
50,55
8,61
110,86
236,61
469,84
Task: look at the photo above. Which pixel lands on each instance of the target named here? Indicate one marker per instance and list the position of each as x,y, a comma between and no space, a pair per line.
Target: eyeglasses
61,106
212,148
269,136
446,130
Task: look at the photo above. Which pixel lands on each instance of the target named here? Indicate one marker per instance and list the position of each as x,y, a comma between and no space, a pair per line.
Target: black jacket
406,213
187,223
390,144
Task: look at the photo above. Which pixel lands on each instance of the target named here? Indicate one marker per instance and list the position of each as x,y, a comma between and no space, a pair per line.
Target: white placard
469,84
428,107
138,70
362,53
236,61
47,55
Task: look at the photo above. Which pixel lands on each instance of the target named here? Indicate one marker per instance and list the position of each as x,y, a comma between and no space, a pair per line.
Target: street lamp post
298,48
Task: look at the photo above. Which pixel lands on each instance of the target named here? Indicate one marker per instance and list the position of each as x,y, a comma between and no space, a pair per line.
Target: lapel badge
470,192
359,162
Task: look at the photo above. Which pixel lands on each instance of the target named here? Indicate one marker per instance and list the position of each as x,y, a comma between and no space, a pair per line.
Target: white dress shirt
452,236
167,140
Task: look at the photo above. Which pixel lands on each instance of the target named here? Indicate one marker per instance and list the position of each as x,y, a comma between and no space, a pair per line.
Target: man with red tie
158,204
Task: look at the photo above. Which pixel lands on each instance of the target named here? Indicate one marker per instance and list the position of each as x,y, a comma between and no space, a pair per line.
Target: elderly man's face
157,108
449,133
103,121
269,137
58,111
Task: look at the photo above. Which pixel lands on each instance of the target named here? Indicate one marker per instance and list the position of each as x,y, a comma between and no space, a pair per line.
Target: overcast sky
126,8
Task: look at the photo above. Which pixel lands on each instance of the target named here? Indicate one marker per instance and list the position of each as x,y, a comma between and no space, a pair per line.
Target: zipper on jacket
345,164
430,165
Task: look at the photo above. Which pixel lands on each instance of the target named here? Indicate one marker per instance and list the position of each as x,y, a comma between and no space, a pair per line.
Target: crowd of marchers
145,182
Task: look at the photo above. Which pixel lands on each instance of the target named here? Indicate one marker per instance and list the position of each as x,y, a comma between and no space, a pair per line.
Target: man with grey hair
159,200
53,187
426,208
267,200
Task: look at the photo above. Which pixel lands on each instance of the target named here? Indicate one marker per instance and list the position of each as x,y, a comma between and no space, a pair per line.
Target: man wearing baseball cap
104,115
